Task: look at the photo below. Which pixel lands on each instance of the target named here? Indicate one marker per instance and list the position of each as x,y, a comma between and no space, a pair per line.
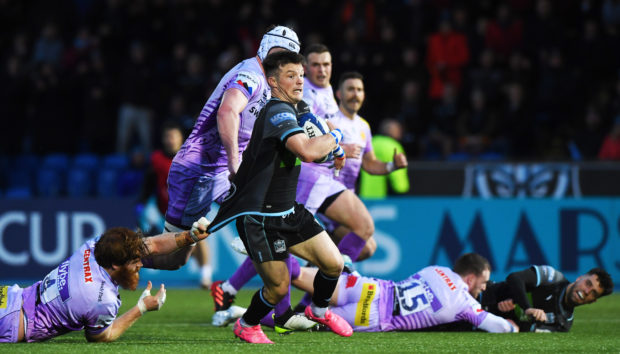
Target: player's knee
275,292
334,267
365,227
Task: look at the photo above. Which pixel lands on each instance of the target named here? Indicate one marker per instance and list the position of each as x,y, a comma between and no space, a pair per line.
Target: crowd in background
513,79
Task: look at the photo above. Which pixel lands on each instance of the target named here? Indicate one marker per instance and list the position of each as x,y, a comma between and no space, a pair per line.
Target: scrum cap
280,36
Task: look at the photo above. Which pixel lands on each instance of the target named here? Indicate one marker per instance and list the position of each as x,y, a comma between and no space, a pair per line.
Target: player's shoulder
547,273
278,111
363,122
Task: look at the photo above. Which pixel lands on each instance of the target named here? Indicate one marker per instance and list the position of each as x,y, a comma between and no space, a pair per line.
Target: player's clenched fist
199,229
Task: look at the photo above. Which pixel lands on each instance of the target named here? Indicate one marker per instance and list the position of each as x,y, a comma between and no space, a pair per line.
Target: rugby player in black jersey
262,201
539,298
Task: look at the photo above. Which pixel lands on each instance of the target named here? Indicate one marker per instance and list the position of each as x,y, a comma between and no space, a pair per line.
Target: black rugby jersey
541,287
266,181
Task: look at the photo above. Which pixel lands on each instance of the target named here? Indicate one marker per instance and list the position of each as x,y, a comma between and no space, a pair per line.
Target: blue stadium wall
571,234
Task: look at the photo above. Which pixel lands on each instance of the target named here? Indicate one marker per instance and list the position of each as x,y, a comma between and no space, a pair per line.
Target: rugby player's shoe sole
295,323
225,317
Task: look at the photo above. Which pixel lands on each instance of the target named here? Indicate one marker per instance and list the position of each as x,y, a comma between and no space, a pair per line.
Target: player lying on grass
541,299
82,292
434,295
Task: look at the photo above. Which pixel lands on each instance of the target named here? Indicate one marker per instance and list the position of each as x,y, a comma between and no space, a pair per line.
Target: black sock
259,308
281,320
324,287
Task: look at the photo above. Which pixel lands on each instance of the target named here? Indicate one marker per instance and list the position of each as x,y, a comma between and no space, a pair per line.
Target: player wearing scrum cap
200,171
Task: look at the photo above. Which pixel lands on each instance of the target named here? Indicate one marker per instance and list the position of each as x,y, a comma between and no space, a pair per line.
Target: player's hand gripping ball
313,126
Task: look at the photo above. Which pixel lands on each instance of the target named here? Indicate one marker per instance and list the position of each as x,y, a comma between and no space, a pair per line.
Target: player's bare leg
348,210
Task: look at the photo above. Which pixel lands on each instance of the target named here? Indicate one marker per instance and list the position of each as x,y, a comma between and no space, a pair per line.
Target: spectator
135,113
48,48
505,33
590,134
611,145
447,55
476,127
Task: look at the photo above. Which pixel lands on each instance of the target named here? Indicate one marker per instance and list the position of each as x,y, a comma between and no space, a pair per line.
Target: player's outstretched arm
496,324
170,242
233,103
122,323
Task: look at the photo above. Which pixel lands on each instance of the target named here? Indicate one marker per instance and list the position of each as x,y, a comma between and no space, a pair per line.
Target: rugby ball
314,126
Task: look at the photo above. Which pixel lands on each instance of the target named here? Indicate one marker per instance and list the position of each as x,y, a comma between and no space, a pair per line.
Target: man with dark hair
82,292
434,295
320,191
541,299
262,200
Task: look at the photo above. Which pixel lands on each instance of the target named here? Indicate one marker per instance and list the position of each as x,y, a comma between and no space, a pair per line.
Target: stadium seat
19,178
107,183
49,183
18,193
115,161
88,162
492,156
24,162
459,156
58,162
79,183
130,182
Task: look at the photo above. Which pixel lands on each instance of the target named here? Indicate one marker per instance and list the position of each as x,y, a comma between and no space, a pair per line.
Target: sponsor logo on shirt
101,288
248,82
446,279
362,315
62,281
351,280
88,277
281,117
4,299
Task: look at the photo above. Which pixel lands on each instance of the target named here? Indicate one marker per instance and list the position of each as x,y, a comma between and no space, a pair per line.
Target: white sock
229,288
318,311
206,272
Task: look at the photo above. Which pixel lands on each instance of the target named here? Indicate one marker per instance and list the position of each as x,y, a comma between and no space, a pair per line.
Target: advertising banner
573,235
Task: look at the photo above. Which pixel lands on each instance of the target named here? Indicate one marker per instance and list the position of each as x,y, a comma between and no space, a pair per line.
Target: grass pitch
183,326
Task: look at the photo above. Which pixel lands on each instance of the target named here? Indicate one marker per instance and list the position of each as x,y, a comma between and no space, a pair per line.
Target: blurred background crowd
494,80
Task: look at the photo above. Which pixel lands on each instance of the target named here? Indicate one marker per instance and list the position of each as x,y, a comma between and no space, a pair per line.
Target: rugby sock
243,274
206,273
324,287
294,268
227,287
268,320
305,301
351,245
259,307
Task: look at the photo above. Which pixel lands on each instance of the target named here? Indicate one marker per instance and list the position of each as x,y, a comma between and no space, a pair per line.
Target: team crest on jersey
248,82
279,246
